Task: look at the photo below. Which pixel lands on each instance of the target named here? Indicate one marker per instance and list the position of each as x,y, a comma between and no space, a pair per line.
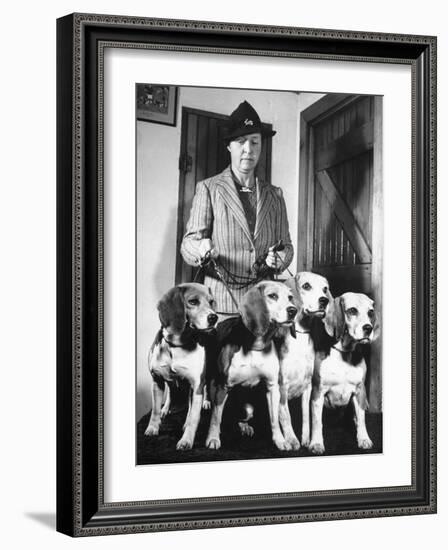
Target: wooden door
343,177
341,201
203,154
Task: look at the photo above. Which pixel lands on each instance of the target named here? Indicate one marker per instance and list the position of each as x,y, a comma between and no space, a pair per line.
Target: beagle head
311,293
354,320
269,304
188,304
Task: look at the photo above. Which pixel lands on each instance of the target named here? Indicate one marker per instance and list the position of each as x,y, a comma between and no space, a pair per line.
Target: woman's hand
206,247
271,258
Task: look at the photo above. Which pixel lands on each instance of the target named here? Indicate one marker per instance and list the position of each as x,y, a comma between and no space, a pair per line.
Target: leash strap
208,261
224,282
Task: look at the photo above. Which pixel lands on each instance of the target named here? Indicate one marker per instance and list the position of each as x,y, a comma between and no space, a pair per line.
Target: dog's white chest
340,379
248,369
171,363
298,364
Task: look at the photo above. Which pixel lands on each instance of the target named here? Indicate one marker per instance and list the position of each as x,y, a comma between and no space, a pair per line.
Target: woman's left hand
271,258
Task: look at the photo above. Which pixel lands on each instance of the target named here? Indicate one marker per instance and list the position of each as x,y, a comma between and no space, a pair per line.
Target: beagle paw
281,444
293,443
305,441
164,412
152,430
365,443
206,405
317,448
213,443
246,429
184,444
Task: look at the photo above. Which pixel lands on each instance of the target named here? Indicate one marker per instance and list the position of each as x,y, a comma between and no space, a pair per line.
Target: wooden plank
263,169
317,229
345,217
326,233
201,112
304,184
201,148
326,106
212,148
180,264
361,201
310,203
346,147
338,241
375,377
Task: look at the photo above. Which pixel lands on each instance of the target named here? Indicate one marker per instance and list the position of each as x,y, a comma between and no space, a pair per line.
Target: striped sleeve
287,253
199,226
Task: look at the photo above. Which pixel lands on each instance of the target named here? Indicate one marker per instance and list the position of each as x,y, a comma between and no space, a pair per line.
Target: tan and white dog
296,352
179,351
247,354
339,376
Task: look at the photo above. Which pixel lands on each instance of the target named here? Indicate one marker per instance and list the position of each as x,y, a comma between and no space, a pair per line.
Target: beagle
296,352
247,355
339,376
187,315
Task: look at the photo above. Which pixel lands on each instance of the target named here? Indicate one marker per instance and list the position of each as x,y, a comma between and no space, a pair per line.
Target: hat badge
248,122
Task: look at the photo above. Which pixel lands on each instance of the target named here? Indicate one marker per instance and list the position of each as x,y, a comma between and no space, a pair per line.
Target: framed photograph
246,297
156,103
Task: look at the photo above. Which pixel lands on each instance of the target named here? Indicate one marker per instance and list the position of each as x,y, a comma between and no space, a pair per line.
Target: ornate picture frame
82,509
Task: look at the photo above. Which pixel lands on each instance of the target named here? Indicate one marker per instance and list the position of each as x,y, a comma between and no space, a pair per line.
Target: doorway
340,202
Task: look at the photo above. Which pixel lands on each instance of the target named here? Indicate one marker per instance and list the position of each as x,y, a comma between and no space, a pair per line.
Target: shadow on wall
159,264
164,272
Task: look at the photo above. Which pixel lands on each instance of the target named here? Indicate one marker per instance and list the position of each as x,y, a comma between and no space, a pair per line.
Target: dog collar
189,344
171,345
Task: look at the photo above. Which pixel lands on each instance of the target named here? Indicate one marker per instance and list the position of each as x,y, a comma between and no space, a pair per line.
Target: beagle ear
329,295
293,284
254,312
172,310
334,320
376,327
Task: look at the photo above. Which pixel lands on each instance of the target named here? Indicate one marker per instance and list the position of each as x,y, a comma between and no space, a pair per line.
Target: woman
236,218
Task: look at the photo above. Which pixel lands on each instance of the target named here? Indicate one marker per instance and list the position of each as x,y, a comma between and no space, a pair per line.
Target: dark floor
339,436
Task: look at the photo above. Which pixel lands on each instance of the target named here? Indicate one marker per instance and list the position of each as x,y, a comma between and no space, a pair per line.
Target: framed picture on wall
156,103
232,280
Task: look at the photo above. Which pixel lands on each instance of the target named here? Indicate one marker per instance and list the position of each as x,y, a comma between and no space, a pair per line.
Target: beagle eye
273,296
325,289
291,298
193,302
352,311
306,286
371,313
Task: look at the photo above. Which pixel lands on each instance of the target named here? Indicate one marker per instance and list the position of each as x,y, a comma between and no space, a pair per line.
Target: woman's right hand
206,247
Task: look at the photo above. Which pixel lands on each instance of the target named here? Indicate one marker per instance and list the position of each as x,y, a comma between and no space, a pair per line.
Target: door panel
342,243
204,154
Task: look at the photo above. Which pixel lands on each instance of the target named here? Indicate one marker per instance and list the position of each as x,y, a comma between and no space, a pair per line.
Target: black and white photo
259,237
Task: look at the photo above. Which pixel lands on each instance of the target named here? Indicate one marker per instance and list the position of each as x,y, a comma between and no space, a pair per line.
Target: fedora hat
245,120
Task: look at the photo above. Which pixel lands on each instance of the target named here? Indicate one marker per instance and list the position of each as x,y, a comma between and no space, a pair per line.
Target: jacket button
251,249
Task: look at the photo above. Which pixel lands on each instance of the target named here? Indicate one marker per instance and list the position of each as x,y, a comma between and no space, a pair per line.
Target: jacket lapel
229,195
264,204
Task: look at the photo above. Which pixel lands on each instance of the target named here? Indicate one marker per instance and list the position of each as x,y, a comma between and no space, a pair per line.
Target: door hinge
185,162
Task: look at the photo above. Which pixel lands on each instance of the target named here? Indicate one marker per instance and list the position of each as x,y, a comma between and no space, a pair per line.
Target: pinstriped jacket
217,214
